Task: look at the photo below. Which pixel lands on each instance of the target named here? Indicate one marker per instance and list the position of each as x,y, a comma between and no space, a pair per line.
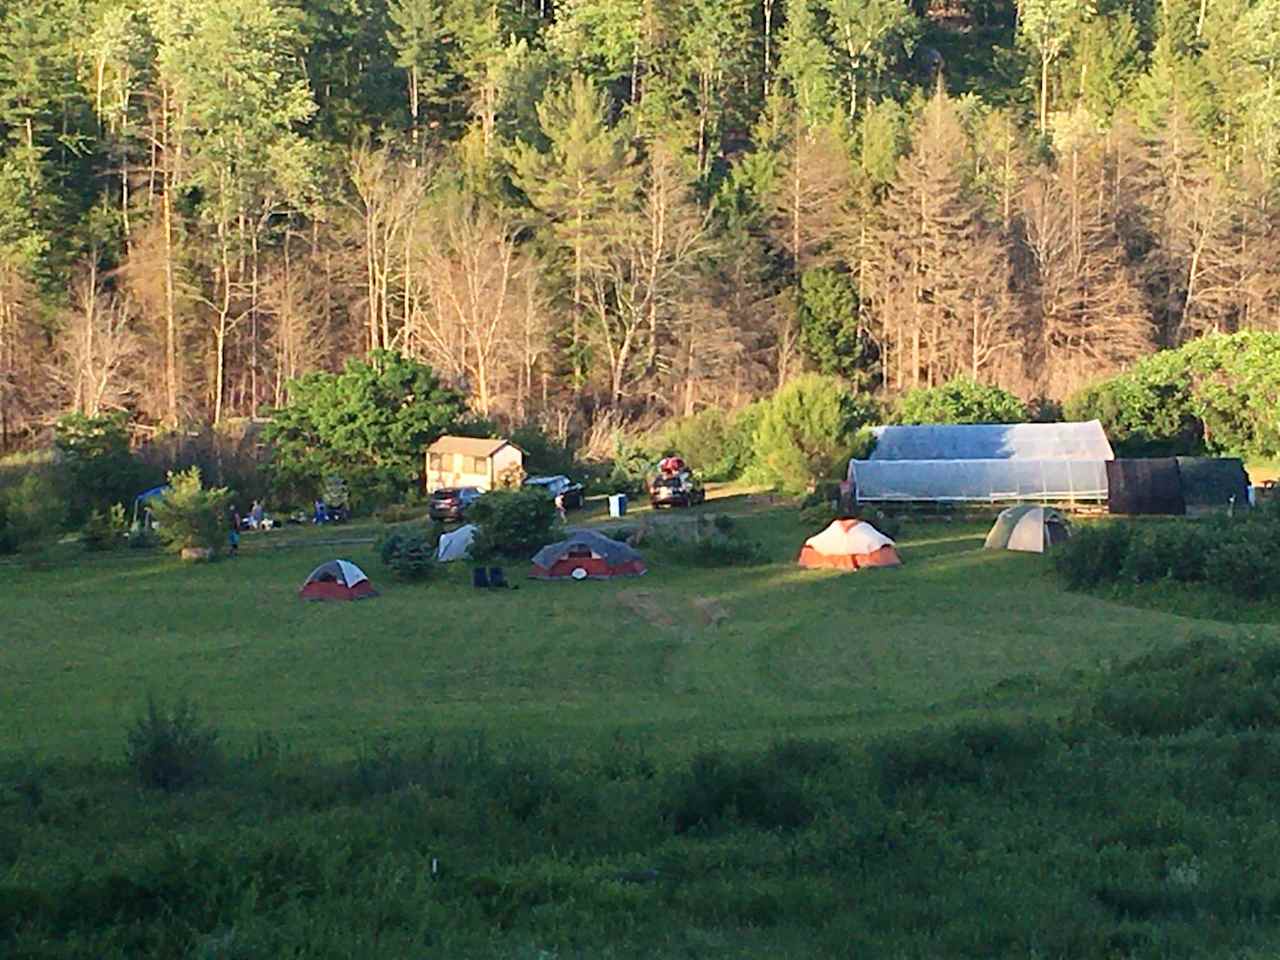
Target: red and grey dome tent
337,580
583,554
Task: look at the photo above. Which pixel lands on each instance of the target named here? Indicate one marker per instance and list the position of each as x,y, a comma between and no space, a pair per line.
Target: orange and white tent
849,545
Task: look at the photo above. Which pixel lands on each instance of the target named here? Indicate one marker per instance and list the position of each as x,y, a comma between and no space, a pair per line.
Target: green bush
1095,554
969,753
1168,551
962,400
190,515
410,552
1245,562
1197,683
32,511
96,464
717,788
512,523
106,530
808,430
172,748
1238,556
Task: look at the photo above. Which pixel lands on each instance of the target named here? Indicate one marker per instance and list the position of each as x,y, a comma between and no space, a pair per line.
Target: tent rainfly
337,580
849,545
586,554
1028,529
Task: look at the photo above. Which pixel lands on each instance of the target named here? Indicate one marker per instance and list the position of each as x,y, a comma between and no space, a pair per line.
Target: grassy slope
800,652
1064,853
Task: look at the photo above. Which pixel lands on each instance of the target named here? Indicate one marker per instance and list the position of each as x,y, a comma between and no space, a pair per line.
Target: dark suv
451,503
559,485
676,490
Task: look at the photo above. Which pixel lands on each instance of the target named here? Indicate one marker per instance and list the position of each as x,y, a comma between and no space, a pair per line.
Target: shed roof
469,446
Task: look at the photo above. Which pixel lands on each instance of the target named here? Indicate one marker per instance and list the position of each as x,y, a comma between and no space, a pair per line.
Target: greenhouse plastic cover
980,480
993,441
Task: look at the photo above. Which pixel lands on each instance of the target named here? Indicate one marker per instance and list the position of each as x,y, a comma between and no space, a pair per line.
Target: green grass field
796,653
950,759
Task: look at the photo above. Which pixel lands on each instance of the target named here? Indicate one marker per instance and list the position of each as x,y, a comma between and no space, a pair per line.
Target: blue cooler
618,505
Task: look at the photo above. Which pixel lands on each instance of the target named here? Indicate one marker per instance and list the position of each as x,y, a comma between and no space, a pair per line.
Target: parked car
676,490
451,503
556,485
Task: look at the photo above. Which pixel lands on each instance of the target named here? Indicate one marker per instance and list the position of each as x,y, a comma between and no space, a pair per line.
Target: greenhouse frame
985,463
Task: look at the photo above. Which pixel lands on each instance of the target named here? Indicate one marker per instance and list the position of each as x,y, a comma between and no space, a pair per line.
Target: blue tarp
152,494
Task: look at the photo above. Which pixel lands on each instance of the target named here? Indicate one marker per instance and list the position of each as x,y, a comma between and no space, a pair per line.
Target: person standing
564,518
233,537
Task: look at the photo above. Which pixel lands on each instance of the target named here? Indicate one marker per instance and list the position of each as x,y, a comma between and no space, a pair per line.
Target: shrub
962,400
106,530
96,464
512,523
717,787
808,429
31,512
190,515
717,542
1244,564
170,749
1196,683
968,753
410,552
1167,551
1095,554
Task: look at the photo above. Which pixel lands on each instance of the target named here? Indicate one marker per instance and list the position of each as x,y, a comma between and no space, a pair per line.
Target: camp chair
480,577
497,578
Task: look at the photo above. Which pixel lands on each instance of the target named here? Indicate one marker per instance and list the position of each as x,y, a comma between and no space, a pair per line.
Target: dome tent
456,545
337,580
1028,529
586,553
849,545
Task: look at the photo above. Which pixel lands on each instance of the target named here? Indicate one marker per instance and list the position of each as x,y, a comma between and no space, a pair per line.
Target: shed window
477,465
434,462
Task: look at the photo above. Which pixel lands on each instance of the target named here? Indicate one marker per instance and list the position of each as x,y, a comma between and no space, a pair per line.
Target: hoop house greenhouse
986,463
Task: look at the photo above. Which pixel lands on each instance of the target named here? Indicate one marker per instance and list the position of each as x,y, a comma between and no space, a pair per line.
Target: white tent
1027,529
456,545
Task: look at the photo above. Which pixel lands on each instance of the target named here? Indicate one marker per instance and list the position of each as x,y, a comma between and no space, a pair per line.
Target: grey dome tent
456,545
1027,529
586,553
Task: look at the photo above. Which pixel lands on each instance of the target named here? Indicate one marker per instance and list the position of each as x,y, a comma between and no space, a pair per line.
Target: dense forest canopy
622,208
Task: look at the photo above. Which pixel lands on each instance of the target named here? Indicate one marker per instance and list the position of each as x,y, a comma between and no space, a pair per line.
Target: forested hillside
631,208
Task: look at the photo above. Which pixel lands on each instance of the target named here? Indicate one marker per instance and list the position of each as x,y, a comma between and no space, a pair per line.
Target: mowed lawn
682,657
